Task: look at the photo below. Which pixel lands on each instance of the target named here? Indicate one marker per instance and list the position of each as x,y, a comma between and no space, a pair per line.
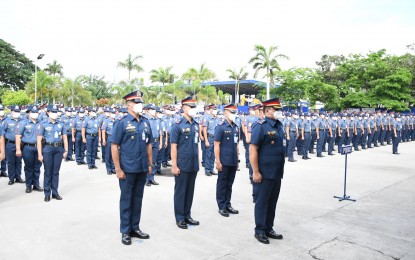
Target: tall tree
201,74
162,75
54,69
131,64
96,85
237,76
15,68
267,60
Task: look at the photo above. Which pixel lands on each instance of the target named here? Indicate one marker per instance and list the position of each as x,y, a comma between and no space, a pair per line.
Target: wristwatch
152,165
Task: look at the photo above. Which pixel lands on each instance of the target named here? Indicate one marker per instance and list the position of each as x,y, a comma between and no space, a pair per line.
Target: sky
92,36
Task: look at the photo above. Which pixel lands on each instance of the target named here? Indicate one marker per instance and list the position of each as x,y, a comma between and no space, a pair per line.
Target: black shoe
312,152
19,180
148,184
321,156
109,173
28,190
140,234
90,167
103,161
330,154
83,162
37,188
232,210
181,224
56,197
70,159
223,213
11,182
191,221
213,173
208,174
79,163
126,239
94,167
262,238
273,234
396,153
153,182
97,158
47,198
292,160
3,174
159,173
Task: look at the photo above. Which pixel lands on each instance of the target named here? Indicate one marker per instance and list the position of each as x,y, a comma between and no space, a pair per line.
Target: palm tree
202,74
131,64
162,75
54,69
267,60
237,76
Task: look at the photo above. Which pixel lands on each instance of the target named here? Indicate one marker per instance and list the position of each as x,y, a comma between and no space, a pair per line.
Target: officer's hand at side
120,174
160,146
150,169
64,155
84,140
2,156
175,170
73,140
104,143
257,177
40,158
207,143
218,166
18,153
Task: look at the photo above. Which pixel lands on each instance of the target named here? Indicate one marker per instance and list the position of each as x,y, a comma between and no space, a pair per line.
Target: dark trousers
395,141
156,156
320,141
52,159
300,145
91,149
165,156
132,191
31,166
224,184
370,137
70,146
382,136
364,139
210,155
14,163
342,139
357,138
109,163
331,140
184,187
306,145
102,152
291,144
4,165
376,136
267,193
79,147
313,140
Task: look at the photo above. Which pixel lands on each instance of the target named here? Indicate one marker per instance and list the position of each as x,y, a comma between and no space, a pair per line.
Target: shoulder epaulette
260,121
178,120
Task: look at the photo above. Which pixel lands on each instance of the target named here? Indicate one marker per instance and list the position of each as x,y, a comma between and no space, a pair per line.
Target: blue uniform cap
33,109
15,108
189,101
52,108
306,114
92,109
273,102
81,110
135,96
231,107
293,112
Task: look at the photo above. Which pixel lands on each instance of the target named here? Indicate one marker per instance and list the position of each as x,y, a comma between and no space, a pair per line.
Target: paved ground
85,225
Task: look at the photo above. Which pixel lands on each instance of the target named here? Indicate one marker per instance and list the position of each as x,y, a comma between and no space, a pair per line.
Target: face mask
232,117
398,119
81,115
138,108
93,114
59,114
214,112
16,115
160,116
53,115
278,115
152,112
68,113
192,112
73,113
34,115
112,115
1,113
252,113
107,114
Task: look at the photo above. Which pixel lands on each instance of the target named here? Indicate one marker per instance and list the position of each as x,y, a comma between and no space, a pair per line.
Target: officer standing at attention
267,160
156,142
209,125
52,147
3,163
106,132
14,163
67,122
226,155
77,137
292,134
321,134
91,137
26,137
306,135
131,153
396,136
185,162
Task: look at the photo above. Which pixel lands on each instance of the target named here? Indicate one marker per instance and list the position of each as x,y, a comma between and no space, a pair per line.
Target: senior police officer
14,163
52,147
226,155
185,162
267,160
91,137
131,153
26,137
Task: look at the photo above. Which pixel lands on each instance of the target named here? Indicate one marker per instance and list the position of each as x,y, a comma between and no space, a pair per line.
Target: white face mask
1,113
252,112
232,117
81,115
278,115
68,113
34,115
16,114
73,113
93,114
53,115
192,112
112,115
214,112
59,114
160,116
138,108
152,112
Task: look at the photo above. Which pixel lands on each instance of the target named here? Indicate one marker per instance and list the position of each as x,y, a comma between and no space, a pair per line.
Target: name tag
235,139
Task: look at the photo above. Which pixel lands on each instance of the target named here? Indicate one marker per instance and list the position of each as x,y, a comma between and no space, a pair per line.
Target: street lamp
39,58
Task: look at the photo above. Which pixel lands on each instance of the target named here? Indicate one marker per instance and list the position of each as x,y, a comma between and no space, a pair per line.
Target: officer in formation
77,126
106,134
3,163
209,124
168,123
185,162
227,159
156,142
291,128
67,120
267,160
91,137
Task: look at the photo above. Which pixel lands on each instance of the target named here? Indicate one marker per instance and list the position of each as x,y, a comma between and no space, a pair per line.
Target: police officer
67,121
91,137
77,137
209,124
26,137
156,142
343,130
106,132
396,137
14,163
131,153
52,147
168,122
321,130
266,152
306,135
185,162
3,163
226,157
291,130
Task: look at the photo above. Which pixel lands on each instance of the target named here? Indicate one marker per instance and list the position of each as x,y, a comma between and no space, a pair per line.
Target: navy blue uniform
156,127
92,127
14,163
268,136
106,129
132,136
79,145
186,135
67,122
228,137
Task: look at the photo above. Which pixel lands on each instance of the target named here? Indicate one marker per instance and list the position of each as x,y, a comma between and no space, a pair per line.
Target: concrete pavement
85,224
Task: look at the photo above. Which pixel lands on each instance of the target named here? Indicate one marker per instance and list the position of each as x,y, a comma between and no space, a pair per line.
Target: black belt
313,130
92,134
10,141
78,131
293,131
307,132
29,144
211,135
54,144
156,140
